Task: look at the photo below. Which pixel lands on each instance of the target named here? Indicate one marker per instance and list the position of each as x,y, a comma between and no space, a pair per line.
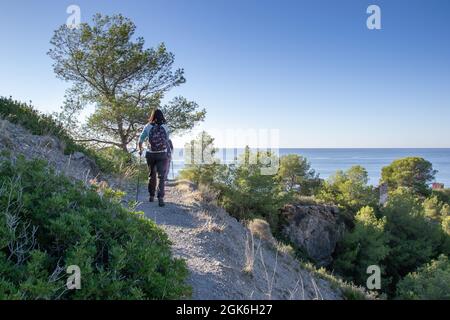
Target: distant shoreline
327,161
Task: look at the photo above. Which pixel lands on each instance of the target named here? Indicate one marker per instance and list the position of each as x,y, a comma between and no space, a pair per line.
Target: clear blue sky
309,68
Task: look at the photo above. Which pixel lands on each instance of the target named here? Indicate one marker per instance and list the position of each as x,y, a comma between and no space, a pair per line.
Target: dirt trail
216,248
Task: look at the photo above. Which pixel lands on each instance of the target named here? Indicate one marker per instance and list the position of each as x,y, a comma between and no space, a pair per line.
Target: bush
446,225
48,222
443,195
202,167
413,239
365,245
242,189
435,209
247,192
430,282
349,190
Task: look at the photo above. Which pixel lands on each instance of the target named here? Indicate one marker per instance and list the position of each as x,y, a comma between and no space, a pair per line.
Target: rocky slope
18,141
224,258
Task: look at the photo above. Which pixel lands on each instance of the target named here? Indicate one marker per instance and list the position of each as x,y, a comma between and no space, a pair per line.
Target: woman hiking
157,154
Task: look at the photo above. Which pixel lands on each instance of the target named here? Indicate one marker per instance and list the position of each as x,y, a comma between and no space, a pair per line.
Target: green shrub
243,189
35,122
247,192
431,281
413,239
48,222
202,166
434,209
443,195
349,190
365,245
446,225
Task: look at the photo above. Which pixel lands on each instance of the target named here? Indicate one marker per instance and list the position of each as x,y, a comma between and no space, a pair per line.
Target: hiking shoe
151,199
161,202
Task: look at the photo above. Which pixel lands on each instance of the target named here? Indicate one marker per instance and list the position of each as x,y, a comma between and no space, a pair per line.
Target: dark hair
157,117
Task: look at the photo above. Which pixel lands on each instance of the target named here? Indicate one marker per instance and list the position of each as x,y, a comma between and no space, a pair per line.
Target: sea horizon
326,161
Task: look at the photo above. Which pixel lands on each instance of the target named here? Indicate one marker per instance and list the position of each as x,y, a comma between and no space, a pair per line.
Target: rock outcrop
18,141
315,229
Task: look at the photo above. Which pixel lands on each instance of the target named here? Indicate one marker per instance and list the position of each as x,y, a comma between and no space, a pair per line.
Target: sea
327,161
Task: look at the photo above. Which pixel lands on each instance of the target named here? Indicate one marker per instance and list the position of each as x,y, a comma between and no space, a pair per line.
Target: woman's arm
143,137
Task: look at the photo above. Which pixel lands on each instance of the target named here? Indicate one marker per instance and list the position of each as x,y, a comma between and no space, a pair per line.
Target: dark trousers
157,167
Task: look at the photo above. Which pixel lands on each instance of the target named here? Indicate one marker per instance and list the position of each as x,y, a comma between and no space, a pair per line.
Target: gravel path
214,247
184,228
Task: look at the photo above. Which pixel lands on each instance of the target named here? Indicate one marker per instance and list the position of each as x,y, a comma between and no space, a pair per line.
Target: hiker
157,154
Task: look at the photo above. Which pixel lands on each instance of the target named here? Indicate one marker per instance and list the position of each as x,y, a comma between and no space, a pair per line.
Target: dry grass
316,290
285,249
261,229
298,285
208,195
126,174
185,186
250,253
209,224
269,280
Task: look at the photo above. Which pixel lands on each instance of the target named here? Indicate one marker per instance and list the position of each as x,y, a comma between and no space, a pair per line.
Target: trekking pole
138,177
173,173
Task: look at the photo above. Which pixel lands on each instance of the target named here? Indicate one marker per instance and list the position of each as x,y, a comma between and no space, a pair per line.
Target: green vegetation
295,174
431,281
365,245
446,224
243,190
412,172
349,190
402,236
202,167
36,122
248,193
43,230
413,239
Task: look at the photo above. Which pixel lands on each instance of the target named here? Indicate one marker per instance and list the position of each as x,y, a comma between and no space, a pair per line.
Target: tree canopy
365,245
414,173
349,189
111,69
295,173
